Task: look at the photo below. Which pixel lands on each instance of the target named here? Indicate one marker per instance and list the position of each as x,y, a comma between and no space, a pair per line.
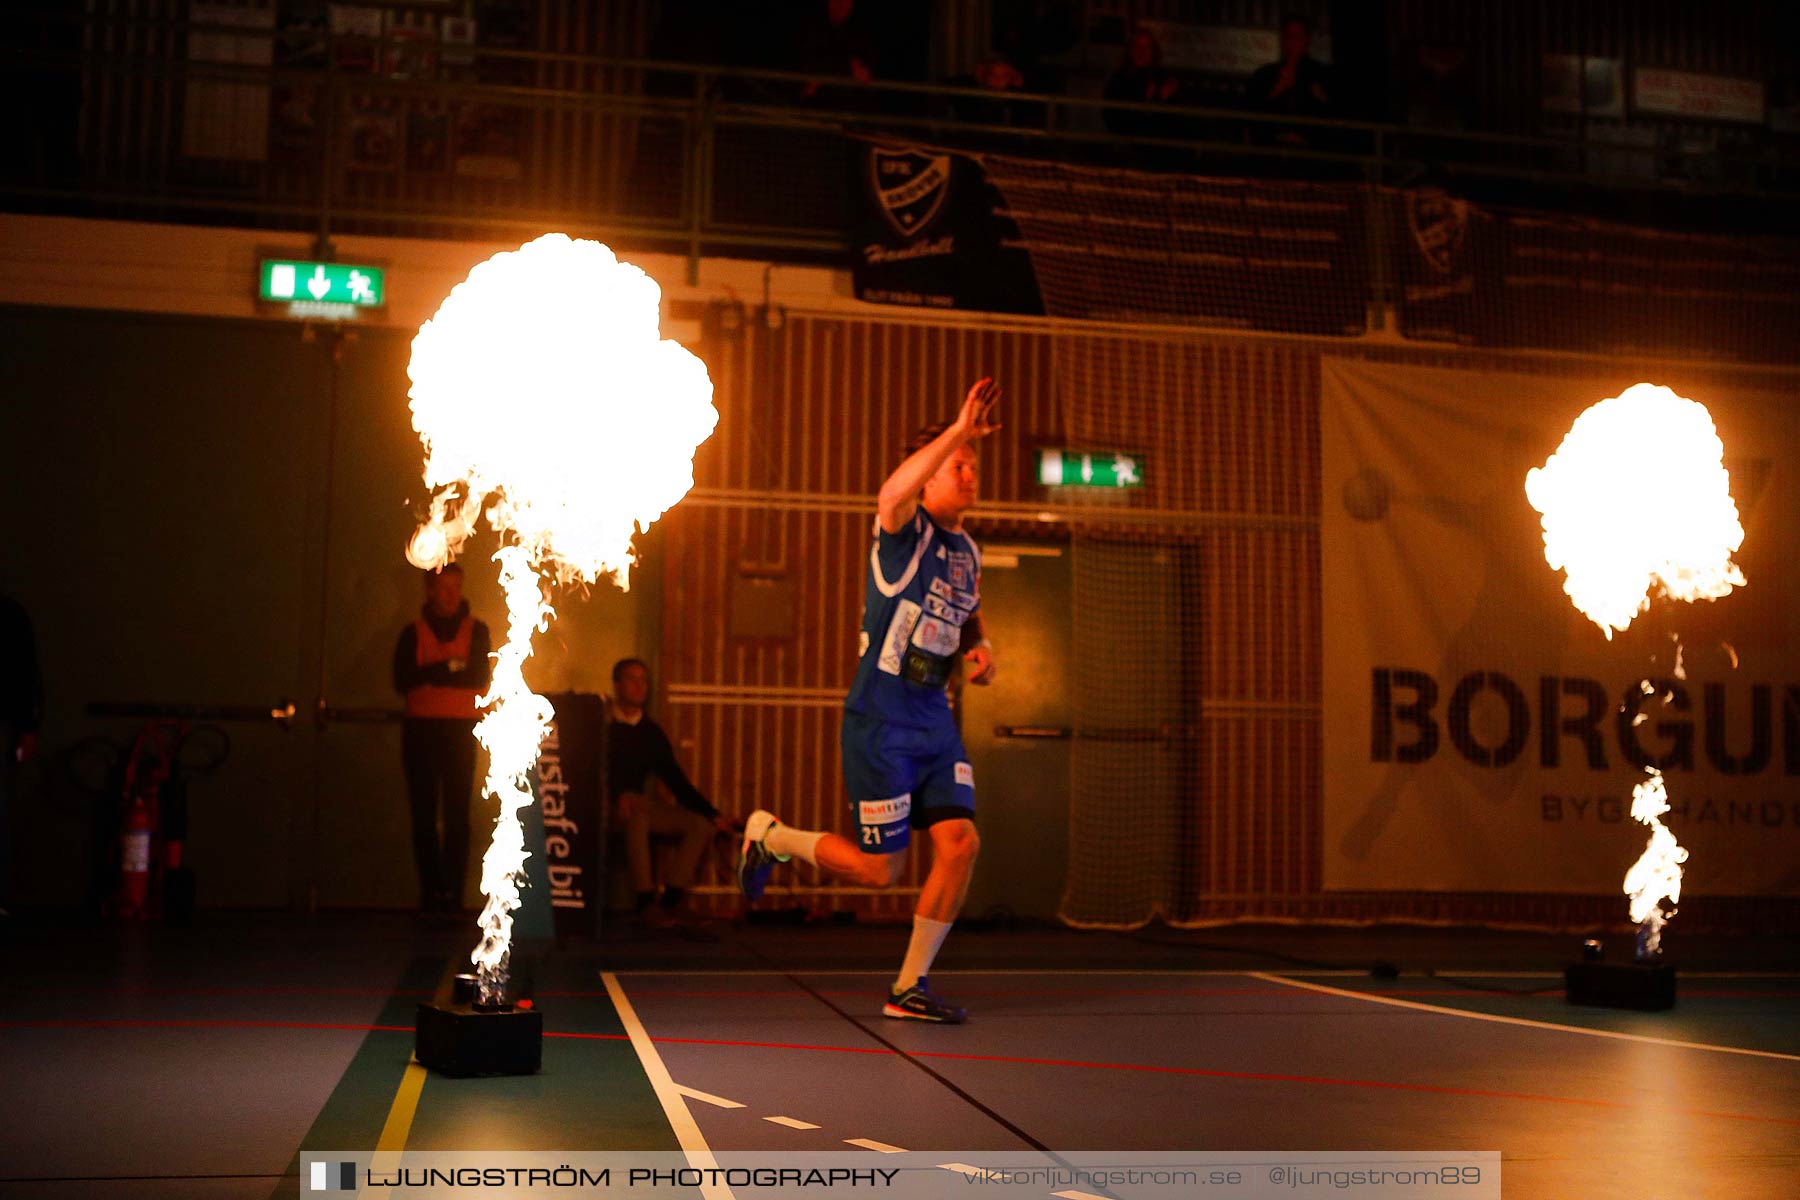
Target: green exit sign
1090,468
293,281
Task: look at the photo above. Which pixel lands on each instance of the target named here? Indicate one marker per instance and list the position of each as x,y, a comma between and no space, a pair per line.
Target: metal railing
503,142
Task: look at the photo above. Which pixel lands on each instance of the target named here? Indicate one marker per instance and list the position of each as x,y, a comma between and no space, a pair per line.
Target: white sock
927,938
792,843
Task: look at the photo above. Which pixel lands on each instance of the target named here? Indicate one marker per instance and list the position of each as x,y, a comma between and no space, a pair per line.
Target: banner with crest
1476,276
931,231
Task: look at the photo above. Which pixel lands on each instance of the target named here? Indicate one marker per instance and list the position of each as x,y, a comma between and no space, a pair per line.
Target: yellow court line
1524,1022
392,1142
398,1126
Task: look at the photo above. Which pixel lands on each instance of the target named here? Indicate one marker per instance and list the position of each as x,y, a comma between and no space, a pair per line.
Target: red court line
676,1041
161,1023
764,994
1148,1068
1554,992
133,989
158,1023
1380,1084
1254,1076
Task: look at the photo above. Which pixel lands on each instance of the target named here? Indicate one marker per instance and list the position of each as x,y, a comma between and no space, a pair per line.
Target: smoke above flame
547,401
1635,502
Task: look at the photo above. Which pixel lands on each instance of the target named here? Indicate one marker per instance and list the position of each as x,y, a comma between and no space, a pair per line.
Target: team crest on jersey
962,571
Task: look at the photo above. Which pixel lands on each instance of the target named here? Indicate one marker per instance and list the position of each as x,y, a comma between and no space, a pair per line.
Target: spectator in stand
440,666
21,708
1141,79
1029,32
1297,85
996,75
834,44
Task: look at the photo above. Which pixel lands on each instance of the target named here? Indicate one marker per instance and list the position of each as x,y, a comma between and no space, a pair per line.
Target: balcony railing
201,123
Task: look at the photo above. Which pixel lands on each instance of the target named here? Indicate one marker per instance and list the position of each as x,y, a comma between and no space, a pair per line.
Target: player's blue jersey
920,586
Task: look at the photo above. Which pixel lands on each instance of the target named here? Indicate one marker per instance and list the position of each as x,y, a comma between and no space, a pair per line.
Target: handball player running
904,763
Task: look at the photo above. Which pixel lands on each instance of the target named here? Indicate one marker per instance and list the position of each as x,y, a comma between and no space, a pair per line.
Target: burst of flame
517,720
1636,500
1656,875
546,398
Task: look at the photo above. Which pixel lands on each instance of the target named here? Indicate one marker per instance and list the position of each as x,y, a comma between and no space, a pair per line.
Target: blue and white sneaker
756,862
920,1003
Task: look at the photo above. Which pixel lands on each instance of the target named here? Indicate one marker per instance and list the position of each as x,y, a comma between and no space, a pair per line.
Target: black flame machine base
461,1038
1645,987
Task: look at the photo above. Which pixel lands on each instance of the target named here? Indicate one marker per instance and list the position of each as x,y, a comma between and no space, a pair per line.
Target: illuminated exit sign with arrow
1090,469
321,289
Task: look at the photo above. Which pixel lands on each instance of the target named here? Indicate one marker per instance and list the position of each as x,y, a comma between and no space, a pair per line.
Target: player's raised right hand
975,421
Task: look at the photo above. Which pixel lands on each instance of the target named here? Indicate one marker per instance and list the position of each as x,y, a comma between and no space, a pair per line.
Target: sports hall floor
146,1063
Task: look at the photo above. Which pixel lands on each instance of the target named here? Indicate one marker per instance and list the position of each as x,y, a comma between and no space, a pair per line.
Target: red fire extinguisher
140,849
155,882
134,858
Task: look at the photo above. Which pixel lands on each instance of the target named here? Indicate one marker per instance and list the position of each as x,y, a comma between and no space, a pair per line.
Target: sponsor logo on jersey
965,774
884,812
938,608
893,647
962,571
937,637
940,588
966,600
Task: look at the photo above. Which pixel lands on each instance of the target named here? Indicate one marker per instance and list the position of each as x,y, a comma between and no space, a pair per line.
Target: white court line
1468,973
687,1132
1472,973
1740,974
1078,972
790,1122
872,1144
707,1097
1524,1021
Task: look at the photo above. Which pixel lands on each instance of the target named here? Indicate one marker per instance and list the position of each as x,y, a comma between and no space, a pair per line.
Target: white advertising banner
1481,734
1686,94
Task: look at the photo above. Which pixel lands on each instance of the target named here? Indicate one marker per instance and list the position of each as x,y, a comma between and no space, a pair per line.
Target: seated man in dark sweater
637,749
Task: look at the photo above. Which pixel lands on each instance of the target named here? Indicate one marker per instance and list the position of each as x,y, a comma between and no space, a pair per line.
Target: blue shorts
901,779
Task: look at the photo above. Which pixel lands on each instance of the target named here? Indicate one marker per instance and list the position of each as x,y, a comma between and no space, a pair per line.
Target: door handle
281,712
1099,733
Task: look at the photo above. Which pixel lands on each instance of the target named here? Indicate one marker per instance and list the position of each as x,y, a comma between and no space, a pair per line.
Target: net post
1374,218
